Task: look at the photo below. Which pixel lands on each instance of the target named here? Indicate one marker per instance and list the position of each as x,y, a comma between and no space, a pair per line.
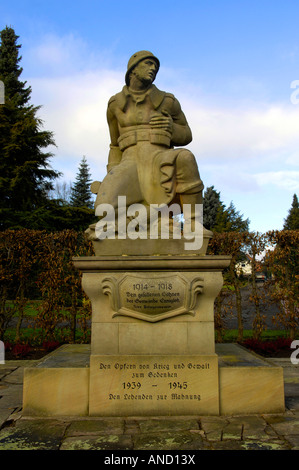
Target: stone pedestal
152,304
152,345
152,349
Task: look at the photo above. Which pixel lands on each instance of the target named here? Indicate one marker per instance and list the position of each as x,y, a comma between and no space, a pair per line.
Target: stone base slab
257,390
56,392
247,384
153,385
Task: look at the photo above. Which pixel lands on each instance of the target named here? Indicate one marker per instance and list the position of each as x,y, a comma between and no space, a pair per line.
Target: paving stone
5,371
292,378
284,425
15,377
15,415
255,427
4,415
169,441
17,363
213,427
165,424
89,427
291,388
293,441
33,435
250,445
233,430
262,445
132,426
108,442
292,403
11,396
3,386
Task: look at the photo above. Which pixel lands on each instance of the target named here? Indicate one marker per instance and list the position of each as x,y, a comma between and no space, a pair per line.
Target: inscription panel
152,297
153,385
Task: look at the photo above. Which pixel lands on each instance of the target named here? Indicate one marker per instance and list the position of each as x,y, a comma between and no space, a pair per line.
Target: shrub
21,350
267,347
50,345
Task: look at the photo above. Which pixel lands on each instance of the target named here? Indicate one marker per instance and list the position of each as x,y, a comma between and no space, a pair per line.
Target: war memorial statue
147,162
152,350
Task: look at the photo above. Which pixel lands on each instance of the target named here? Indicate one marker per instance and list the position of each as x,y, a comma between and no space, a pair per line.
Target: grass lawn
230,336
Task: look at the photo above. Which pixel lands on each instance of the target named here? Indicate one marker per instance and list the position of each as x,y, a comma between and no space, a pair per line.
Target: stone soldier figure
146,125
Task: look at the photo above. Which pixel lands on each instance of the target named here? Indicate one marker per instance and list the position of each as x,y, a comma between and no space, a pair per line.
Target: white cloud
282,179
55,51
233,133
74,109
73,84
293,159
56,56
63,55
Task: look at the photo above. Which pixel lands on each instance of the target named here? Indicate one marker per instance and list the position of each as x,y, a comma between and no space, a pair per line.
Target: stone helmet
135,59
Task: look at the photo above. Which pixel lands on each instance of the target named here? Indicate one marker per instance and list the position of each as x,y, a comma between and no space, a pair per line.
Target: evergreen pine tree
25,173
219,218
292,220
10,70
211,206
230,220
81,195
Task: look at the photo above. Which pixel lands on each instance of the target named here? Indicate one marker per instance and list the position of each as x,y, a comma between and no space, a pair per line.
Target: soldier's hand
162,121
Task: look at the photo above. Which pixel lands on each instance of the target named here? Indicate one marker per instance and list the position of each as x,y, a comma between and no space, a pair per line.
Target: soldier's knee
186,159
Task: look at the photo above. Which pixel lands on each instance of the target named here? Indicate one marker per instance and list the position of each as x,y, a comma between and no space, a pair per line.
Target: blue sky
229,62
